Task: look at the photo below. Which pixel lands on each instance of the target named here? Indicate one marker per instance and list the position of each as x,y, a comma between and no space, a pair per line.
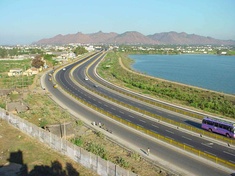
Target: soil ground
38,158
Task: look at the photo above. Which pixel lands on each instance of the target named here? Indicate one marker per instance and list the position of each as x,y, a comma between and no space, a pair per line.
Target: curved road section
139,142
201,144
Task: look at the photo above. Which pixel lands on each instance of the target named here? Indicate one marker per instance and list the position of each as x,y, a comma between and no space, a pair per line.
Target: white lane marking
229,153
121,112
189,145
207,145
155,126
131,116
113,108
209,153
232,161
154,131
169,137
105,105
142,121
170,132
186,138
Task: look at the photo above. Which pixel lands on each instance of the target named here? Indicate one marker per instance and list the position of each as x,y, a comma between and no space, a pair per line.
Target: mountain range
134,37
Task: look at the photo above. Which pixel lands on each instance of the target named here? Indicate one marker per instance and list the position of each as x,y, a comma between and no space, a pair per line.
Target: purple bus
219,126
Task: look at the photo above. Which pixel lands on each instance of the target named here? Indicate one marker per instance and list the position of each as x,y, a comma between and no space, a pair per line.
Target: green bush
122,162
97,150
78,141
43,123
101,135
136,156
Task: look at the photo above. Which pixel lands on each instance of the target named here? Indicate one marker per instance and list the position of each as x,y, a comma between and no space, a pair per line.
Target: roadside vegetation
44,111
97,143
200,99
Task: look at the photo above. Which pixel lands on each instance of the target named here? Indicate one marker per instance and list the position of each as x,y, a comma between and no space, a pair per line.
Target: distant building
15,72
223,52
31,71
89,48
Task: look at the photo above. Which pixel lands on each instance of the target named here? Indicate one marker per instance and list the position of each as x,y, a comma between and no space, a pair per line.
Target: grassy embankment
200,99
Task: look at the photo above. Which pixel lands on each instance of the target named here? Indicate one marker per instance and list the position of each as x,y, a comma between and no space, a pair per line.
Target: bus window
210,123
226,127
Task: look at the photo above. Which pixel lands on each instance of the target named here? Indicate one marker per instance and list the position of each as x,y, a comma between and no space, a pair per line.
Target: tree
80,50
3,52
37,62
13,52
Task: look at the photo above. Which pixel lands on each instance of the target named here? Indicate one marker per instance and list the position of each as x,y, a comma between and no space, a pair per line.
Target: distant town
50,55
68,51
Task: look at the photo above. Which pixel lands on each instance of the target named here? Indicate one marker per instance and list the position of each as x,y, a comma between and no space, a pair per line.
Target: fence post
107,167
39,137
97,164
50,139
90,160
115,170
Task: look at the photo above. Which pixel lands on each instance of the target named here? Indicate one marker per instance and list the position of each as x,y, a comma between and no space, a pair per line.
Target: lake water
206,71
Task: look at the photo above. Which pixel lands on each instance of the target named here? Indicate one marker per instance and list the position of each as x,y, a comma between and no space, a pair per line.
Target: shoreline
203,100
130,67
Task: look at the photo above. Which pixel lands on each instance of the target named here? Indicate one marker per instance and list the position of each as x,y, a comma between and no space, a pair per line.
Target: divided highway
63,77
149,123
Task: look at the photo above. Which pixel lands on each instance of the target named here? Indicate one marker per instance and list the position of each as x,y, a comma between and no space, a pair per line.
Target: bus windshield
233,130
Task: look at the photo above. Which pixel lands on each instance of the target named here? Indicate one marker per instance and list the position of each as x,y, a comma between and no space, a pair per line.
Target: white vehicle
86,78
64,68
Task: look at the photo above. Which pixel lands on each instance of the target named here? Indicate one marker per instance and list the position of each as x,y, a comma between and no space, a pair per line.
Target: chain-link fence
87,159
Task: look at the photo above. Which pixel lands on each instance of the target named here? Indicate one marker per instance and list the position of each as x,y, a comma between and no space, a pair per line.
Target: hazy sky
27,21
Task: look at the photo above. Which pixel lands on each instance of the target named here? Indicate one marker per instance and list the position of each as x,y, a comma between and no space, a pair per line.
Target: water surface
206,71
